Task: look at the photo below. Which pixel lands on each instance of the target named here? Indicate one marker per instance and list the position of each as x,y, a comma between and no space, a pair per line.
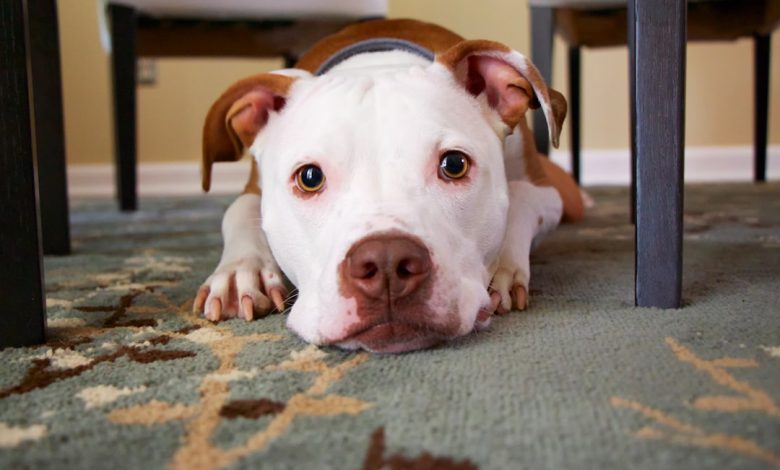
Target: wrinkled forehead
394,109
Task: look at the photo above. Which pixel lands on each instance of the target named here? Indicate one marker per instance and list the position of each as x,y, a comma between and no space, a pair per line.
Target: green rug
131,379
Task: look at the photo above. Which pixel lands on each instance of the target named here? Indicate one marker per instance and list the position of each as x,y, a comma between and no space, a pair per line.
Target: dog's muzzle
391,278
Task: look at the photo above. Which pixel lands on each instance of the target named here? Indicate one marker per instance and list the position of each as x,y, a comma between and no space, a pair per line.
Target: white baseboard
159,179
599,167
702,165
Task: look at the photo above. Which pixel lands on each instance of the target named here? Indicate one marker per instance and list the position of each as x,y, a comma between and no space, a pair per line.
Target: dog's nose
390,264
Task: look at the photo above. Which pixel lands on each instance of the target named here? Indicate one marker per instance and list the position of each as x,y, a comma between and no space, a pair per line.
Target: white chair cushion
258,9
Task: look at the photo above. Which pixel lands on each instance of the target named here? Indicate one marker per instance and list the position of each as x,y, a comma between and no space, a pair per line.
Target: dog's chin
390,338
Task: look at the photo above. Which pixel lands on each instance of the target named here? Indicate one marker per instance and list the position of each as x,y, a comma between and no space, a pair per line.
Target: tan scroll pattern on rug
142,342
198,450
748,398
59,362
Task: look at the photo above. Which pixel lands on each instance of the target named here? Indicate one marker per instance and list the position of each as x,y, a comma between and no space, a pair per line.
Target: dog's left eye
453,165
310,178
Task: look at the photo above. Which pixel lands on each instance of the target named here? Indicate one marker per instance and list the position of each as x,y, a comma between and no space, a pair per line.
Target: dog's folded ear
510,81
237,116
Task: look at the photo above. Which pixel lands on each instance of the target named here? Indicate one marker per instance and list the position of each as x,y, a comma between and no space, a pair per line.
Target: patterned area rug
131,379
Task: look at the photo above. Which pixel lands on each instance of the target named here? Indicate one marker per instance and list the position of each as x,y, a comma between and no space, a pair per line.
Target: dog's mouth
391,337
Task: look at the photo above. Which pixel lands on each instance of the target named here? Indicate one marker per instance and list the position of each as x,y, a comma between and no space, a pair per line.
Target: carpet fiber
131,379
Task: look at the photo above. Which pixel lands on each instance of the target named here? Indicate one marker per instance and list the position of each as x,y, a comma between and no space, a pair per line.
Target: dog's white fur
377,124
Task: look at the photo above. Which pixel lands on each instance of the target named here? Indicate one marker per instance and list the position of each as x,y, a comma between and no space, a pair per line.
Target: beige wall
719,89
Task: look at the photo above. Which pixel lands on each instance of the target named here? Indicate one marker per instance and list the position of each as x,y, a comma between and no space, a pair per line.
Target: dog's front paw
247,287
512,285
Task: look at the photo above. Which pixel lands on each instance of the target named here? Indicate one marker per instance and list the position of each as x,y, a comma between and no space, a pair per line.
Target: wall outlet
146,72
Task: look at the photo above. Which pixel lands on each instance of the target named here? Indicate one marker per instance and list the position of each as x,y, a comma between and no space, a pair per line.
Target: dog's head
384,195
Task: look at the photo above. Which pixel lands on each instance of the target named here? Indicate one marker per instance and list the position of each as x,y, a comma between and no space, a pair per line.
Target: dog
401,189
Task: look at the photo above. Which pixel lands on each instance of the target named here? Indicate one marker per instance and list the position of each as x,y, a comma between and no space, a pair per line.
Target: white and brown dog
401,189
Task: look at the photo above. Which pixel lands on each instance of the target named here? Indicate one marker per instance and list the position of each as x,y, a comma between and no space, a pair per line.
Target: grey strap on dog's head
374,45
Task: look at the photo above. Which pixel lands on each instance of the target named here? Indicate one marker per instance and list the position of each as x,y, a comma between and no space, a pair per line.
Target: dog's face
384,200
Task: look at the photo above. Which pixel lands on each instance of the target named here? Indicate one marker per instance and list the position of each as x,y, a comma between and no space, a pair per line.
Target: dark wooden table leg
123,68
761,44
660,42
23,321
49,131
575,76
541,54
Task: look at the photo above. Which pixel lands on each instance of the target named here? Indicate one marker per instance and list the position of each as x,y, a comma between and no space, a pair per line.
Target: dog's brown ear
510,81
237,116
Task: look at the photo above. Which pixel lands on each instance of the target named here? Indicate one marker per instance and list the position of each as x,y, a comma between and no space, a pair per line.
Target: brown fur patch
455,55
573,206
253,185
251,409
540,171
531,157
431,36
455,60
220,142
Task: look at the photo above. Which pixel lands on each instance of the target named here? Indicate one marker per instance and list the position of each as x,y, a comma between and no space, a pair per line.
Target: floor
583,379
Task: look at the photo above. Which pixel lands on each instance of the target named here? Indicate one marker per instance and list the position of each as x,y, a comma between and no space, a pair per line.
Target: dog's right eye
453,165
310,178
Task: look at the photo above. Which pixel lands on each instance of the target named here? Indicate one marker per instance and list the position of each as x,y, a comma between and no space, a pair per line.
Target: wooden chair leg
290,60
541,55
49,130
659,52
574,109
761,44
123,67
23,321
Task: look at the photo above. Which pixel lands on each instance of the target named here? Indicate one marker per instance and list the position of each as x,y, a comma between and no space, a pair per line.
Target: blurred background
171,109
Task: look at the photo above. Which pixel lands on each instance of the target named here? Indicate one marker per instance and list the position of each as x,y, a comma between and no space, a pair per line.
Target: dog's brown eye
310,178
453,165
